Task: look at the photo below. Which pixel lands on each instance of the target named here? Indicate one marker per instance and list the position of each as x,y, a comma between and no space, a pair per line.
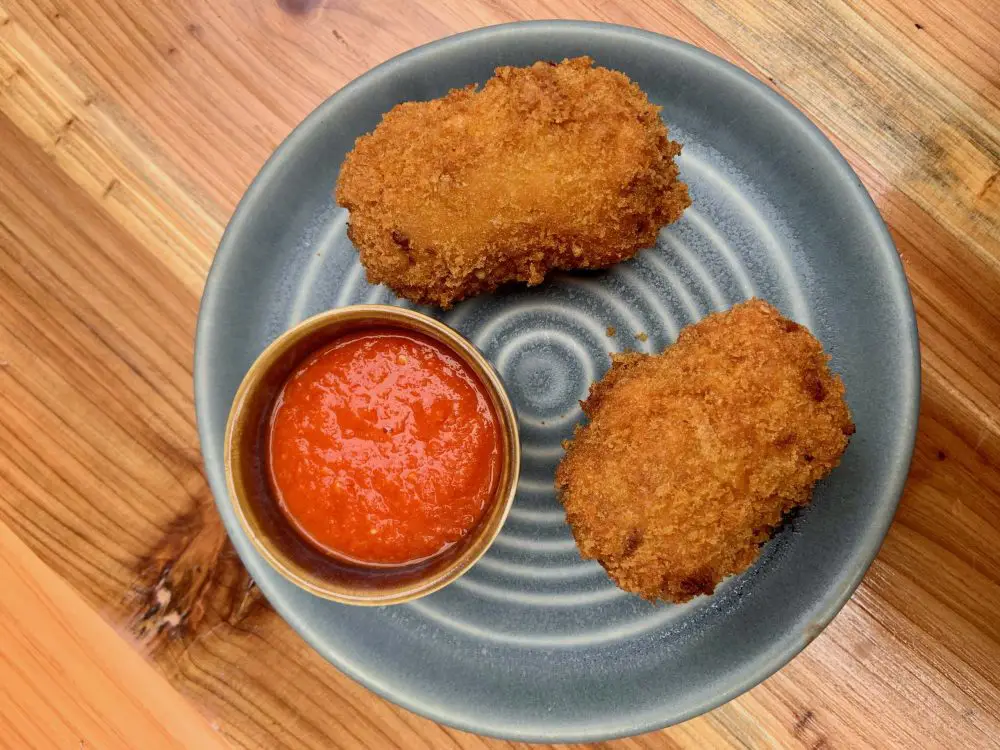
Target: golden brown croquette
691,457
554,166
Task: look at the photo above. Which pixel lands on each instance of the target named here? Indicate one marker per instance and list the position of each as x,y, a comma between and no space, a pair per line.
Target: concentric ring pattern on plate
534,642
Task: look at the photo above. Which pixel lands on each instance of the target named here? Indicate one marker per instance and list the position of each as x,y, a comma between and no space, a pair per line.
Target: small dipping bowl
256,506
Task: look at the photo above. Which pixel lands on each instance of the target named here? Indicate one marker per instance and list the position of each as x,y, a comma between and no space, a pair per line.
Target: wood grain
68,679
128,132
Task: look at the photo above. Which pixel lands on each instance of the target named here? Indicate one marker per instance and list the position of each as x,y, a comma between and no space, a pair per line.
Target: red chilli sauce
384,448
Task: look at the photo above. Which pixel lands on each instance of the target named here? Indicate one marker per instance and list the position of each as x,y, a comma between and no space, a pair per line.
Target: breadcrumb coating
554,166
691,457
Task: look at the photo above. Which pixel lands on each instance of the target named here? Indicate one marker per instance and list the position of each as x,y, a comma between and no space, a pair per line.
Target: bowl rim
783,650
387,316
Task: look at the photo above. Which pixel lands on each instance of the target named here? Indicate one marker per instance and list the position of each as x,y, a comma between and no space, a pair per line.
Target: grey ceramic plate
534,643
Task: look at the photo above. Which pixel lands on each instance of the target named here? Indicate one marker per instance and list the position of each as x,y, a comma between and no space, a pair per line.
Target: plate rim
781,652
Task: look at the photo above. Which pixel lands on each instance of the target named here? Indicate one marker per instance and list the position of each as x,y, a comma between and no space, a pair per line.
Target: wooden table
128,132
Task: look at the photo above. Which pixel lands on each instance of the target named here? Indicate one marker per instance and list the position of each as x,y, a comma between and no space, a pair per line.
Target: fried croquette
691,457
548,167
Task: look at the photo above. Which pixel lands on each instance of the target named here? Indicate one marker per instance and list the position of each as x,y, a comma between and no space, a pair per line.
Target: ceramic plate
534,643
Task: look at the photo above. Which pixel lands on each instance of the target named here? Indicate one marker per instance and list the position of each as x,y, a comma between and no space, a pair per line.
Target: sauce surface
383,447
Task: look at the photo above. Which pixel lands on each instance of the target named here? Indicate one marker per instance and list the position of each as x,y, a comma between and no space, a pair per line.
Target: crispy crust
691,457
548,167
